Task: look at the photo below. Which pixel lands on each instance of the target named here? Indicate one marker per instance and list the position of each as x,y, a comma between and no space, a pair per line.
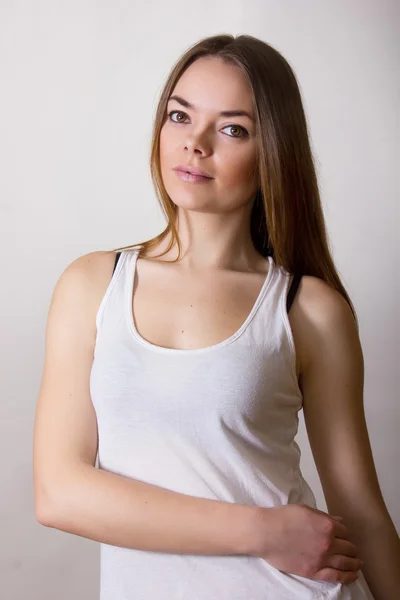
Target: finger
344,563
340,531
344,547
335,576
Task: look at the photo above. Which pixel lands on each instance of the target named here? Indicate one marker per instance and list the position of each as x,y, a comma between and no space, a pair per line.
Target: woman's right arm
71,494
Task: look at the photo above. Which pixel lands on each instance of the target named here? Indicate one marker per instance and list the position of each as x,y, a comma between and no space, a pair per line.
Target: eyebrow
223,113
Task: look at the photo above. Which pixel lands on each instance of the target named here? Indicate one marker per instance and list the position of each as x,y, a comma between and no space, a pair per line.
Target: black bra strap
292,291
116,261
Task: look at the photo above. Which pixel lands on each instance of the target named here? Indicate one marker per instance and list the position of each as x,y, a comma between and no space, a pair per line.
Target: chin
190,202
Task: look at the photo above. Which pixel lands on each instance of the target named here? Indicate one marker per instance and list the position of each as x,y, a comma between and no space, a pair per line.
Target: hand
305,541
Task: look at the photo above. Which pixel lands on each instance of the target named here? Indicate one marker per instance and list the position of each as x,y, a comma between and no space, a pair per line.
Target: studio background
79,86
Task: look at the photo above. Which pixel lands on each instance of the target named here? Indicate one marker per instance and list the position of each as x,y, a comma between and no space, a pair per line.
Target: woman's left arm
332,383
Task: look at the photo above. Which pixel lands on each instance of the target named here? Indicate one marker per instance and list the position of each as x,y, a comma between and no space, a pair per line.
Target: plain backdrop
79,86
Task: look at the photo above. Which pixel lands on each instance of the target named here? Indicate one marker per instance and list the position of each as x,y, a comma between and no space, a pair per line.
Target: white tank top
216,422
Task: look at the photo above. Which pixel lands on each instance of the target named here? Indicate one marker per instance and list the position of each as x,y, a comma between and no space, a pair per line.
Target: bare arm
74,496
70,493
125,512
332,383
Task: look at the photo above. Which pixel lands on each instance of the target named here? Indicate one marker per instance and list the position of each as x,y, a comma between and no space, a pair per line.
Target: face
199,136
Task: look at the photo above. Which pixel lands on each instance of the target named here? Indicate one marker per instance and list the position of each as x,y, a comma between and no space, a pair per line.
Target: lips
192,171
190,178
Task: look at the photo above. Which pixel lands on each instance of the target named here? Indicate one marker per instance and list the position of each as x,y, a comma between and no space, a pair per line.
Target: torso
191,311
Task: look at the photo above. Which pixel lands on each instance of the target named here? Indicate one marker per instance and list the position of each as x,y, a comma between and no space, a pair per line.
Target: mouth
191,177
192,171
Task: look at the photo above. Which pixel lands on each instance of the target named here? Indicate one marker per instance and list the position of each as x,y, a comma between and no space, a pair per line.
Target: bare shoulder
65,424
81,287
93,264
94,268
317,311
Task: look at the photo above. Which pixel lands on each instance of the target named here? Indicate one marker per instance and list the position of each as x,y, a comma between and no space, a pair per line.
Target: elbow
43,516
44,505
43,513
54,501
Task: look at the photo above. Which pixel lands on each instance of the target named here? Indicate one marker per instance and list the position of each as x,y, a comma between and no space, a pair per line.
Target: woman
184,361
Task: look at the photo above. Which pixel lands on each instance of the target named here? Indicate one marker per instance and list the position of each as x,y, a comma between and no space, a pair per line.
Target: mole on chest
196,317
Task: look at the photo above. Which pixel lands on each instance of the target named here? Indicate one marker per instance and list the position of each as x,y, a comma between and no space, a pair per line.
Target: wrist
254,530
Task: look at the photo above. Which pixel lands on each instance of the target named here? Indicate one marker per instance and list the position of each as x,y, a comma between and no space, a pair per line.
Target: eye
245,133
173,112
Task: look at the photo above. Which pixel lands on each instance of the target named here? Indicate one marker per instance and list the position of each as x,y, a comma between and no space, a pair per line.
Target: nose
197,143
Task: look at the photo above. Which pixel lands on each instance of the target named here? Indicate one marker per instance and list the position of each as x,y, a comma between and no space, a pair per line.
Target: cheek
168,145
240,169
162,142
165,134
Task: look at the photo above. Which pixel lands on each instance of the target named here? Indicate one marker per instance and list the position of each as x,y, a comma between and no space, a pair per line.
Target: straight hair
287,220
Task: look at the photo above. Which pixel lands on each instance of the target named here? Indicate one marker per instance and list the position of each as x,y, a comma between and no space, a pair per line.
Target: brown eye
178,112
237,128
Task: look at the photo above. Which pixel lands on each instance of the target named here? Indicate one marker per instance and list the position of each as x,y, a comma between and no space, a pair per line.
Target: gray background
79,84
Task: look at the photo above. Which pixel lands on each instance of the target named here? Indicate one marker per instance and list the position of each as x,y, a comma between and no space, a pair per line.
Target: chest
175,310
189,312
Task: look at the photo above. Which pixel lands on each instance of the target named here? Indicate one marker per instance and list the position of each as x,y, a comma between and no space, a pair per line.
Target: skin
214,218
332,381
214,226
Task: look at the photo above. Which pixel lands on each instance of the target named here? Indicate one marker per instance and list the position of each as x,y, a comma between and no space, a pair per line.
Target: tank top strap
117,257
292,291
112,304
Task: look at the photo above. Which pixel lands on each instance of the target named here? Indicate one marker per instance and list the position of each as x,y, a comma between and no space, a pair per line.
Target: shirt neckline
131,275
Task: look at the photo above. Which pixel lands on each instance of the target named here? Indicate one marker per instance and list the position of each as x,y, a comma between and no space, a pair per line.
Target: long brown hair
287,218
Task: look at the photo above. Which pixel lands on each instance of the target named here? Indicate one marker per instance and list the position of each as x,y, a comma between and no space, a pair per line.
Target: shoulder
93,269
93,263
74,303
85,280
318,311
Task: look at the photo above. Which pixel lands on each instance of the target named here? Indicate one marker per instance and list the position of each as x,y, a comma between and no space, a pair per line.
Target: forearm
379,548
125,512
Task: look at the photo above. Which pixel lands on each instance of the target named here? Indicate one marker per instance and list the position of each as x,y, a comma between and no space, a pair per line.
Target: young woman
184,360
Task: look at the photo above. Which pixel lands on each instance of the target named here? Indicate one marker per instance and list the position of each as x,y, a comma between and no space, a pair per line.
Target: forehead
211,84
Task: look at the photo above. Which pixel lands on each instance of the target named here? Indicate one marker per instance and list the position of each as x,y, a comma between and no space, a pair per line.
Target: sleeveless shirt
217,422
